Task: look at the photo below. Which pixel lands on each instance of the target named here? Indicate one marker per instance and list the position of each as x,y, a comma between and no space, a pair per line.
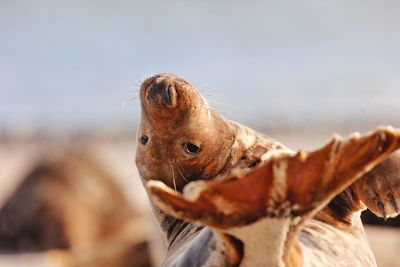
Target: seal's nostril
161,90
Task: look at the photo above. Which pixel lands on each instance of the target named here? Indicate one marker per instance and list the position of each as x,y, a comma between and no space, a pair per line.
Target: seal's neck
273,236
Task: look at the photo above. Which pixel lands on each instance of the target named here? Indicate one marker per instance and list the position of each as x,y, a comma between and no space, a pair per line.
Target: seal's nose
166,91
161,92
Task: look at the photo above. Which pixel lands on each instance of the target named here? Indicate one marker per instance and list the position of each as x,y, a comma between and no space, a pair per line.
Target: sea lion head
180,138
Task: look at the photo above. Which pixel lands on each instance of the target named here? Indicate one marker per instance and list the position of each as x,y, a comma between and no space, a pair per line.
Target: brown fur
174,113
170,127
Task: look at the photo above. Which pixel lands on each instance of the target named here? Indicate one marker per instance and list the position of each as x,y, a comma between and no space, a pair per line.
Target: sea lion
182,140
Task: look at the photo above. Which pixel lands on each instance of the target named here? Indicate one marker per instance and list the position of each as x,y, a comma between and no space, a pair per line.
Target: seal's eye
191,148
144,139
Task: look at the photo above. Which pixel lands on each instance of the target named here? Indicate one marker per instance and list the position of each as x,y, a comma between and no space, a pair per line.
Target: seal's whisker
213,94
173,176
206,92
135,86
183,176
214,98
134,89
222,108
209,92
125,103
133,98
218,103
145,77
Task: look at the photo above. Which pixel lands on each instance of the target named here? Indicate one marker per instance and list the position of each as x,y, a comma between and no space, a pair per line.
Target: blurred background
298,71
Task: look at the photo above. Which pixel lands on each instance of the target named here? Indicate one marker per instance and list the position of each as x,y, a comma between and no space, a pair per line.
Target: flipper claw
382,209
394,204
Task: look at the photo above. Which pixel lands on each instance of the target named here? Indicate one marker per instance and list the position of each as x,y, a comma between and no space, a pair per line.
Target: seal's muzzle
161,92
166,97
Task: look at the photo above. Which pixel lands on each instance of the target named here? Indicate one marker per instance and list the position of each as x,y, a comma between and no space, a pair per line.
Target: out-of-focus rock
69,202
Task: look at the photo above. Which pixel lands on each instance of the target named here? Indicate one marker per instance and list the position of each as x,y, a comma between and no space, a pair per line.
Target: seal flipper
284,186
379,189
